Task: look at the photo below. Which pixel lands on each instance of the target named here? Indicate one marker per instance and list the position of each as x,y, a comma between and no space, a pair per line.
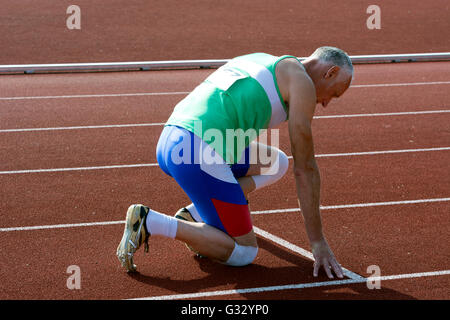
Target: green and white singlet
230,108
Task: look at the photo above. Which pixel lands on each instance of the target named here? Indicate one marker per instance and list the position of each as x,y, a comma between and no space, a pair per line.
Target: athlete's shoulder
291,75
291,67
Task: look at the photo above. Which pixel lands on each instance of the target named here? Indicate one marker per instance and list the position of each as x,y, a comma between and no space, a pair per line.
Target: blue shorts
208,181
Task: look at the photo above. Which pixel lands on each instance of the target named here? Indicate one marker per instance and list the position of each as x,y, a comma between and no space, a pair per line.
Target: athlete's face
332,84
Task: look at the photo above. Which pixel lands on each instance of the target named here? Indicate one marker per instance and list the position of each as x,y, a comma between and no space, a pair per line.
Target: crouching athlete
249,94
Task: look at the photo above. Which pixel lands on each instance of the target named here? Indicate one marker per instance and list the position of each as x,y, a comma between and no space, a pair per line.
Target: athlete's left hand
325,258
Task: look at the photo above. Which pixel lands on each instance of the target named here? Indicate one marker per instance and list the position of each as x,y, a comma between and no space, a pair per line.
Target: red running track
408,240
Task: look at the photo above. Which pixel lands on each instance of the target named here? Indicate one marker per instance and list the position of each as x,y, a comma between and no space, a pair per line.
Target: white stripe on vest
265,78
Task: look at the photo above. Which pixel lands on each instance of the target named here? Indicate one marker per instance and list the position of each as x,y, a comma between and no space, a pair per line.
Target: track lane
398,239
104,195
42,113
31,113
87,197
41,274
134,145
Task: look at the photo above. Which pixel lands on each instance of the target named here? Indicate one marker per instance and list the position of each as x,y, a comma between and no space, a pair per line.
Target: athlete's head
331,70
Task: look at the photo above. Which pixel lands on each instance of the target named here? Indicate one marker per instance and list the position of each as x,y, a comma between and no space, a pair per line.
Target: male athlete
207,146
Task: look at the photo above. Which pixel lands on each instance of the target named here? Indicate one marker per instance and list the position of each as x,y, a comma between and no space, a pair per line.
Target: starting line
354,278
295,286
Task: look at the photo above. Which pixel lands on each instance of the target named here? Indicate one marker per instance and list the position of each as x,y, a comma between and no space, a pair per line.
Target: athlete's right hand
324,257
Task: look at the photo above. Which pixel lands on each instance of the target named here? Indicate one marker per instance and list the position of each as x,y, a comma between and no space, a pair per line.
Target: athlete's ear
332,72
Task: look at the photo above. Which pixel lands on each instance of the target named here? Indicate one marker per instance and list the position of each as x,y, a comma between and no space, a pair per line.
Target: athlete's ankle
160,224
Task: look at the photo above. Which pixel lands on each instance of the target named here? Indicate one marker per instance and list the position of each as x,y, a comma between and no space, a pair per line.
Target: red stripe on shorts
234,217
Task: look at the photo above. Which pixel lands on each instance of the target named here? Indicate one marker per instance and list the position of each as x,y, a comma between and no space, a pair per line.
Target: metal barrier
196,64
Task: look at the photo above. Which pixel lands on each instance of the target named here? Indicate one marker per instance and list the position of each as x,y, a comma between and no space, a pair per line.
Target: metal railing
196,64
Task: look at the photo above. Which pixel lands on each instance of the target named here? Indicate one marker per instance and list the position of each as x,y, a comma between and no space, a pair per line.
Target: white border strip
156,164
161,123
182,64
295,286
333,207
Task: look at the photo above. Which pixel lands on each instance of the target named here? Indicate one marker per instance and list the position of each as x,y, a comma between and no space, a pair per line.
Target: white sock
194,213
161,224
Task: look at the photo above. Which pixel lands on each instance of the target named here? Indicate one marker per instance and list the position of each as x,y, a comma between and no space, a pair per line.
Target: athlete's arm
302,102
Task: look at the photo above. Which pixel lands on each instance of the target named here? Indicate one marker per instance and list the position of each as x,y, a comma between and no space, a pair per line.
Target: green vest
230,108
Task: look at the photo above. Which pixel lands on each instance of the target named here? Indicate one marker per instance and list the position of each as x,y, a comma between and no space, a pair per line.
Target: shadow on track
296,269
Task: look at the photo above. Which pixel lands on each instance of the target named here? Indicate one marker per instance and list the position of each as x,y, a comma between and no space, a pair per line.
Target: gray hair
335,56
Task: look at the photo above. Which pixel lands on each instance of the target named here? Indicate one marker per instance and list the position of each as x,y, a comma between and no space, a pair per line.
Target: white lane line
284,243
298,250
295,286
81,168
378,152
156,164
383,114
62,226
333,207
187,92
84,127
358,205
161,123
400,84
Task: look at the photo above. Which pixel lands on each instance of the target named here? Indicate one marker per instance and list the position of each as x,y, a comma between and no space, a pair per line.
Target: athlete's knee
283,164
242,255
275,172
